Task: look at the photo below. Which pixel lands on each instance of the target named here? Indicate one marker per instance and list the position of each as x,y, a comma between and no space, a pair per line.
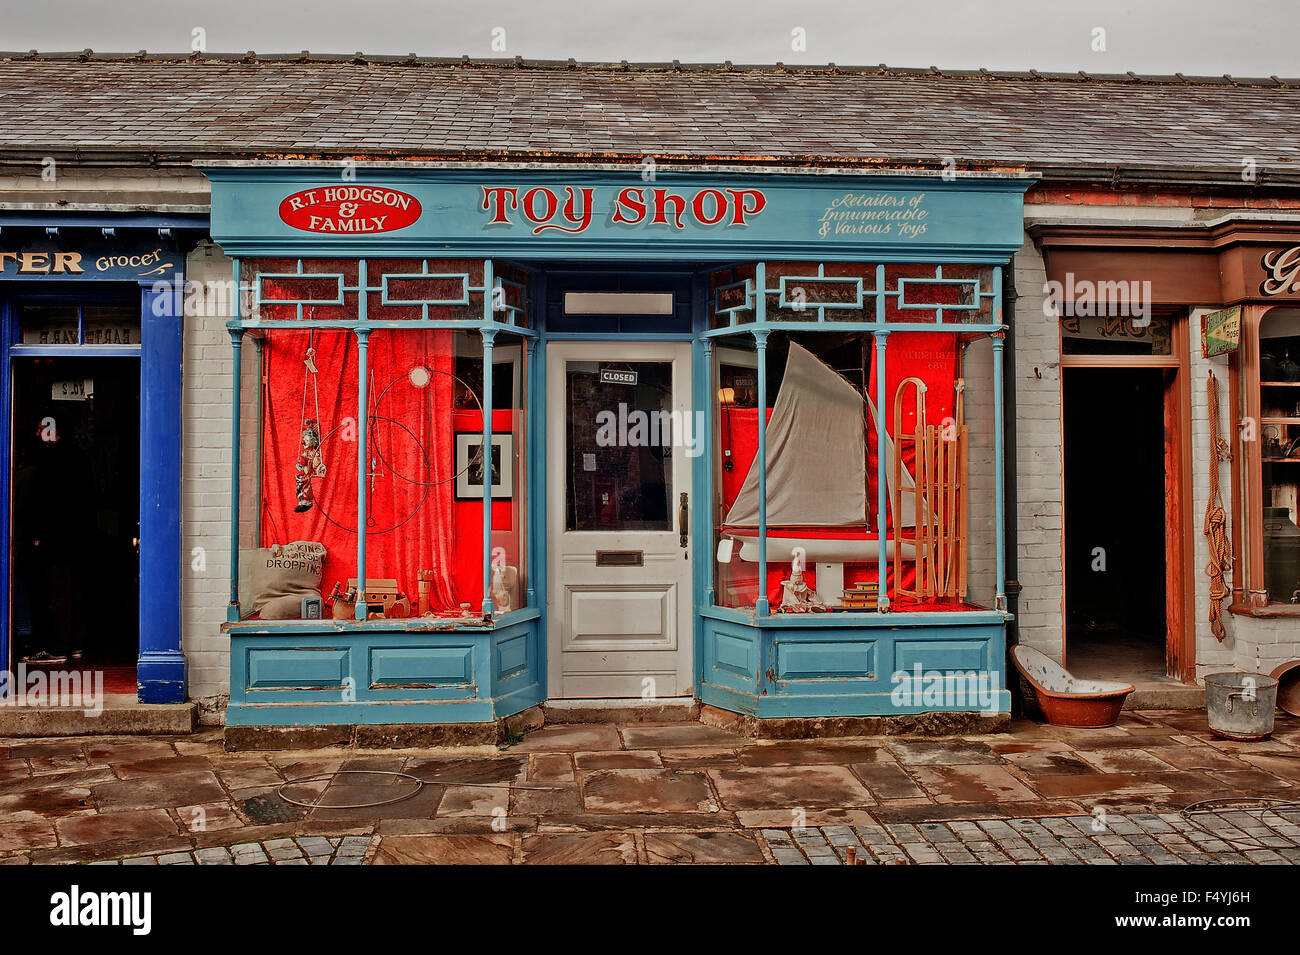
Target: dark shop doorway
1114,522
76,511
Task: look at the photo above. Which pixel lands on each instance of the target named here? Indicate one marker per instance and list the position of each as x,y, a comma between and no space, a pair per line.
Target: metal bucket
1240,705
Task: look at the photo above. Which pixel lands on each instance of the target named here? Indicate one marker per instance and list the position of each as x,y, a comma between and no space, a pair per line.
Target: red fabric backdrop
415,523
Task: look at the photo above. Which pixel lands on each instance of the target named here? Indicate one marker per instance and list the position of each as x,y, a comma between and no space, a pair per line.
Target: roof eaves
414,61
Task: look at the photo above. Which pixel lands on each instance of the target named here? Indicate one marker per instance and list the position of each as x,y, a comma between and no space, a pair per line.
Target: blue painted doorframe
161,666
161,670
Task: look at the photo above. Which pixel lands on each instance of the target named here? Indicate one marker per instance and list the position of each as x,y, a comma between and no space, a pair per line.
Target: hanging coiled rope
1216,520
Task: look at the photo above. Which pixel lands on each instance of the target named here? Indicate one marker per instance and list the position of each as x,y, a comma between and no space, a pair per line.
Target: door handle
683,524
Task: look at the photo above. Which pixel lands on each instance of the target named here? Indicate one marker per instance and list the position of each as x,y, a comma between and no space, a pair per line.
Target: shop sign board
1221,331
42,260
1281,272
277,210
352,210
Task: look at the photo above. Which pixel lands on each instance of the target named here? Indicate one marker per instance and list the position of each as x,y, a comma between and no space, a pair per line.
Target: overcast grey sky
1242,37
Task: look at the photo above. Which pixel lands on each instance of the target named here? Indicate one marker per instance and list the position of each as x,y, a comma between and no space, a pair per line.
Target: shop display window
823,416
1276,519
423,463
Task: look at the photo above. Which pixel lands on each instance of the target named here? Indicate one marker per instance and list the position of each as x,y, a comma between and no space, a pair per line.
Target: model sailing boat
816,460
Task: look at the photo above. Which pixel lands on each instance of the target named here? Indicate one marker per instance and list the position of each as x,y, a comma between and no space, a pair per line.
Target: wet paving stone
702,848
1050,764
647,790
675,735
806,754
488,769
147,792
940,752
971,784
638,759
551,768
102,751
19,834
160,766
888,781
241,772
81,777
50,803
784,787
570,738
588,848
474,801
209,817
1095,785
108,826
497,849
545,801
1125,761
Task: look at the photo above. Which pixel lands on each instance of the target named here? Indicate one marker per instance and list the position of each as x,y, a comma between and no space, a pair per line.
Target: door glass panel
619,440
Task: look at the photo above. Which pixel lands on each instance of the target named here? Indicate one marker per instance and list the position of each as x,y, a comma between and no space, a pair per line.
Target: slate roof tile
195,108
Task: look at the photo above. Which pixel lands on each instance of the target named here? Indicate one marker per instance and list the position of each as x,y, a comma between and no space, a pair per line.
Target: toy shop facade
514,434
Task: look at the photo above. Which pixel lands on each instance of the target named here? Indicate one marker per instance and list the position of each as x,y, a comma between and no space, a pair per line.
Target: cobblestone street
643,793
1228,838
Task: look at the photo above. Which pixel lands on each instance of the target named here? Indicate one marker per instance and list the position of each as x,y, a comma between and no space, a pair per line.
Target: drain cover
268,809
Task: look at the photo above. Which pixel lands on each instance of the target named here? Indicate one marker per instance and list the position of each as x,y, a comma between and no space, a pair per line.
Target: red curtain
411,460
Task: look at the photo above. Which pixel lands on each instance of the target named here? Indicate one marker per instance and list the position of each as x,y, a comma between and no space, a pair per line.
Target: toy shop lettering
573,210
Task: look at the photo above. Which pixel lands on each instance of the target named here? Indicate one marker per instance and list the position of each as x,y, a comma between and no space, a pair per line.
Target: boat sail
816,459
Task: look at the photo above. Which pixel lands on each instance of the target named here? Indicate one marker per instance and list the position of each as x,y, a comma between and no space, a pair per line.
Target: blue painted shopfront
543,231
82,261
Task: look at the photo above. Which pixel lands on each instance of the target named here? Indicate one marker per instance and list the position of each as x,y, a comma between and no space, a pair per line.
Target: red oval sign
350,210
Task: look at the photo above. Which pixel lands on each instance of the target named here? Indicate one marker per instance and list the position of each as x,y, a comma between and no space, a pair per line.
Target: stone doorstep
827,727
119,719
678,710
1166,696
382,735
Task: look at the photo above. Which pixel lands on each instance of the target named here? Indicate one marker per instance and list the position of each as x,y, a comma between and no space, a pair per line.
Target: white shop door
620,437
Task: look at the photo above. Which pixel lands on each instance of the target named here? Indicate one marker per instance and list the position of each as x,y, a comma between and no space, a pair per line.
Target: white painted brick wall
1039,483
205,488
1211,655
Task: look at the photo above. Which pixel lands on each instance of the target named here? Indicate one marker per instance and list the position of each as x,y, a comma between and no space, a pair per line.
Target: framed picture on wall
469,467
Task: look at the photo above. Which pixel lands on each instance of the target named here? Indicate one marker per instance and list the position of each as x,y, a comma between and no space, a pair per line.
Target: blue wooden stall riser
346,672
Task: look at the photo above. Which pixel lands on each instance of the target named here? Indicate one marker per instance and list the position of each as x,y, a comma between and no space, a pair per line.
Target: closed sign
610,376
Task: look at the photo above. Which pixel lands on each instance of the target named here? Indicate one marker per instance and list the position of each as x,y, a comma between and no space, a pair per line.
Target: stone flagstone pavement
665,793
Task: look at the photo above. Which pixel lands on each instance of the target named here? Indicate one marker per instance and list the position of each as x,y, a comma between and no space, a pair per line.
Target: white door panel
619,608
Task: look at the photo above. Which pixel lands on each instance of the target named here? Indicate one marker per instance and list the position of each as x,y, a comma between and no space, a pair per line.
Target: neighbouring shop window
823,408
1279,405
424,467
